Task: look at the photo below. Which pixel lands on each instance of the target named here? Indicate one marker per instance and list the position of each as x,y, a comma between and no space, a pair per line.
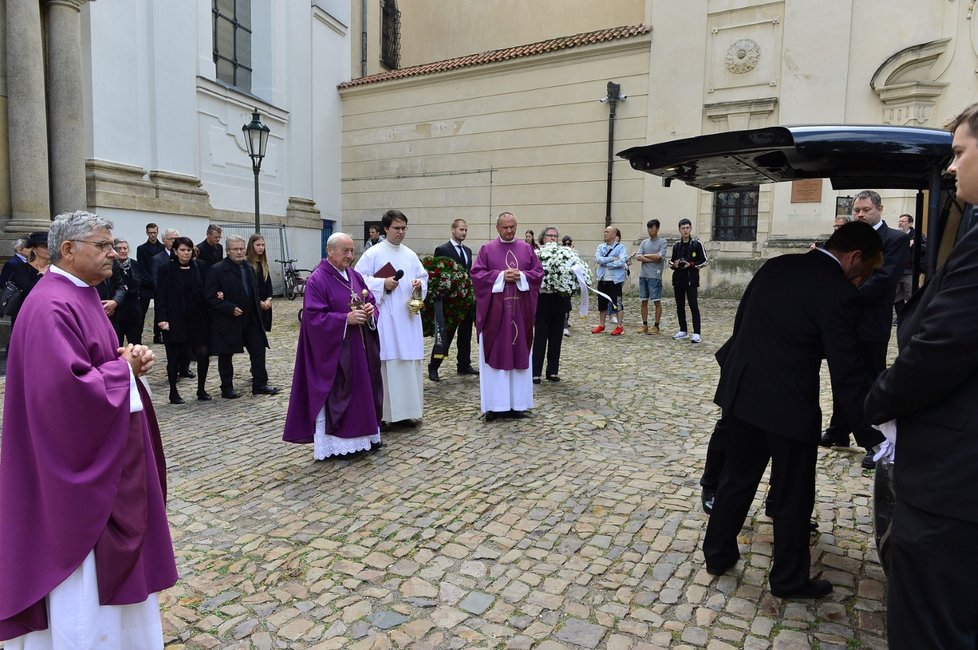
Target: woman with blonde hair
258,259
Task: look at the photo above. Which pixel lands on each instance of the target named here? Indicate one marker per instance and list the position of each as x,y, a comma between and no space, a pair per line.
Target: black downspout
614,93
916,261
935,221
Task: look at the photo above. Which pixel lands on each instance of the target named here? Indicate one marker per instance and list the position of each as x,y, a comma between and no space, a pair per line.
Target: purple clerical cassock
336,364
78,470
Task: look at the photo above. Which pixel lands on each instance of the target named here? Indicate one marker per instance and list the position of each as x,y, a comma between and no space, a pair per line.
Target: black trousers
130,330
463,346
873,357
715,456
254,343
685,293
548,335
144,306
178,356
932,593
791,499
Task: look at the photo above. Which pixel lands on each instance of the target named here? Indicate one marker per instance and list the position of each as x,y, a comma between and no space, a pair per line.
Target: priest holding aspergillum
506,276
396,277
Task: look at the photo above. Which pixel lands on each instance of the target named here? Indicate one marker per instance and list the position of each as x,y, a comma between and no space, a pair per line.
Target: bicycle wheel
290,287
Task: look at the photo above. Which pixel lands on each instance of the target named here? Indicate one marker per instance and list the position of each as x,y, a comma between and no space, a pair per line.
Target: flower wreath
557,262
449,281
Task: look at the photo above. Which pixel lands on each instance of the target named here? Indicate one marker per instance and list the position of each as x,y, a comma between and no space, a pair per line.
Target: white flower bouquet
558,264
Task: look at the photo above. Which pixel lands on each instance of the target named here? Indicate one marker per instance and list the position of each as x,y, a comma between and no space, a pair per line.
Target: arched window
232,42
390,36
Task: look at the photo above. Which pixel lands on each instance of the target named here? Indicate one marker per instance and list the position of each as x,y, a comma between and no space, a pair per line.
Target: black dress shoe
175,398
433,374
187,374
706,498
376,446
868,462
468,371
811,589
833,440
553,378
230,394
517,414
719,570
265,390
491,415
536,380
203,396
408,424
813,526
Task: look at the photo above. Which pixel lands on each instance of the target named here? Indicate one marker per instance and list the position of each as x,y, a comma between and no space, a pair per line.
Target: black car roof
852,156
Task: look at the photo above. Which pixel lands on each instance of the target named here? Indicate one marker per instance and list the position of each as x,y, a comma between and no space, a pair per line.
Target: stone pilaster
30,207
66,121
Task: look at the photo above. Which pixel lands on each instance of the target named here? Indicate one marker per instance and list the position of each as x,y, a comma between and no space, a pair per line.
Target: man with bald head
506,276
337,391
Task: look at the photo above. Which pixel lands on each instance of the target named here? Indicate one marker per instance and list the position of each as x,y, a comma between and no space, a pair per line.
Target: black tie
461,255
244,280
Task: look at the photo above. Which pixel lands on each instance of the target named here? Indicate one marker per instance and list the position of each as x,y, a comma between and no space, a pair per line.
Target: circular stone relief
742,56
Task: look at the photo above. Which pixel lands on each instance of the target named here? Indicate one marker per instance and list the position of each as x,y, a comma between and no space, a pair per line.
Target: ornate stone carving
742,56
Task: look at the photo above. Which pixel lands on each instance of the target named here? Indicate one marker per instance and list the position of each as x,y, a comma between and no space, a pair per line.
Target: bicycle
295,283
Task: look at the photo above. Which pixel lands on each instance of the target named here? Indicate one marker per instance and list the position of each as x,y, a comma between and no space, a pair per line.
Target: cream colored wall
433,30
426,145
815,65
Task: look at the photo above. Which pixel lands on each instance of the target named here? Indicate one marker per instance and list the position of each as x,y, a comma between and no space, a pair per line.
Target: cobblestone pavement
578,527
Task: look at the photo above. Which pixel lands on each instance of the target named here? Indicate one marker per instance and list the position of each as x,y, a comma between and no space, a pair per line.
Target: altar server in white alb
394,274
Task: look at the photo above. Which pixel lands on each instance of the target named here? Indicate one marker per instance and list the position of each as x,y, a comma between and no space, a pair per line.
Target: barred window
390,43
232,42
735,215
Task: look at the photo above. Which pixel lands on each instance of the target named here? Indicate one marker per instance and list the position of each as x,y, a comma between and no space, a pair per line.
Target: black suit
230,333
113,288
129,315
209,255
464,328
932,391
875,325
147,291
180,303
797,310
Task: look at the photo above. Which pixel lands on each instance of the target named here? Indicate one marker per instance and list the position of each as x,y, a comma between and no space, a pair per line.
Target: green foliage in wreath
449,280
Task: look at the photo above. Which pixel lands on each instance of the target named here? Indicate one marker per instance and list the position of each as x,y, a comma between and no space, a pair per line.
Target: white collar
340,271
74,280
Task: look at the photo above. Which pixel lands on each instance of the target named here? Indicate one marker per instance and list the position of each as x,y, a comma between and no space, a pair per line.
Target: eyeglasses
104,246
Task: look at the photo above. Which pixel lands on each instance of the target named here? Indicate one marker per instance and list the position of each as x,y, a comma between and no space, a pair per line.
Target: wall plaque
806,191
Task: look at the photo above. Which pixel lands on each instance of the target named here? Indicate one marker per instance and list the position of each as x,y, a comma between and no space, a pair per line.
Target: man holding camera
688,257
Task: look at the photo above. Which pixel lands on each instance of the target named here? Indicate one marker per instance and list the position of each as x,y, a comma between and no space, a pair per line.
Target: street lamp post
256,137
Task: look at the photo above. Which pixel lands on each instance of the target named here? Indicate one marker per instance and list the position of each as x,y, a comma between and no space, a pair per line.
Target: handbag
10,299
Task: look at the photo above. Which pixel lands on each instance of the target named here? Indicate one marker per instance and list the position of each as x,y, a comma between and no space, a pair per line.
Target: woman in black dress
181,313
258,259
25,276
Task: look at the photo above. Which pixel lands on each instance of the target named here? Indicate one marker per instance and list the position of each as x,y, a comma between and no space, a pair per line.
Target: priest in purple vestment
337,392
85,544
506,276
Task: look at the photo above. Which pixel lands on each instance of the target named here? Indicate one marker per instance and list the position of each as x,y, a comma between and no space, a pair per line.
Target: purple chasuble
335,364
505,319
78,471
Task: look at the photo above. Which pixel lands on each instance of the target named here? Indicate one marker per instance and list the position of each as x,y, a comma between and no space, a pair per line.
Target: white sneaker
614,319
679,335
566,332
696,338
